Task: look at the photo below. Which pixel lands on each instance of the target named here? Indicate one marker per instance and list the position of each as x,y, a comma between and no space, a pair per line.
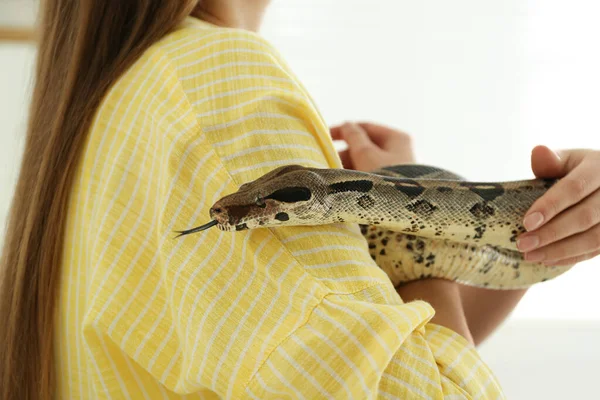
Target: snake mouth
222,226
221,218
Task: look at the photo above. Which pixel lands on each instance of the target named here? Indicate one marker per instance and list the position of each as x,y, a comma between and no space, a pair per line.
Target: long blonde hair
84,47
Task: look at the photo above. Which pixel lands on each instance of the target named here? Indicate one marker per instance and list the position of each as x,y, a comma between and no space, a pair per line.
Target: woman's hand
371,146
564,224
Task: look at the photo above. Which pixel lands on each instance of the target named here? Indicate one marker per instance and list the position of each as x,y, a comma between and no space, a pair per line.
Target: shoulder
213,63
204,68
196,45
197,53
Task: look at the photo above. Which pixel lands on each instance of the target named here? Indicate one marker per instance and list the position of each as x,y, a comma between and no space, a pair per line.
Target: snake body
419,221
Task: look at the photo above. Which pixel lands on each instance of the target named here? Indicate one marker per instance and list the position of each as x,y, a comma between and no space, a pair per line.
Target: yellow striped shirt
286,313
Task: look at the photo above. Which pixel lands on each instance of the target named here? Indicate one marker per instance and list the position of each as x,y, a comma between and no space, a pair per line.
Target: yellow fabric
287,313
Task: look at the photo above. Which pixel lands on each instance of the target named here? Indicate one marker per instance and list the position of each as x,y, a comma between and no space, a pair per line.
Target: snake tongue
198,228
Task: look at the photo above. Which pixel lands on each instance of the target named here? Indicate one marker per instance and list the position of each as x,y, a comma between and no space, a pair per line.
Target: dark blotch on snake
487,191
366,201
412,171
479,231
488,266
444,189
409,188
241,227
282,216
361,185
236,213
421,207
482,210
291,194
515,233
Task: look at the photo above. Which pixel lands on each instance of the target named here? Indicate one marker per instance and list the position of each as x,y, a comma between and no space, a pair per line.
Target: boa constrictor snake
419,221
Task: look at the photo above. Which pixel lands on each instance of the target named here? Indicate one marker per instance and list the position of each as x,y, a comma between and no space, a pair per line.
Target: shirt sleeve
295,312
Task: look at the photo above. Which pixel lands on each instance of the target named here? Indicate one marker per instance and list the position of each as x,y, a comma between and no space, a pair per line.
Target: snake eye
260,201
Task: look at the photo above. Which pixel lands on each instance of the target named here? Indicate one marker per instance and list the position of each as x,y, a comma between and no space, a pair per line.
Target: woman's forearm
472,312
445,298
486,309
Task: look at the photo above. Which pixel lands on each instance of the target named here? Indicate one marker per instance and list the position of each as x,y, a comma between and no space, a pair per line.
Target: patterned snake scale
419,221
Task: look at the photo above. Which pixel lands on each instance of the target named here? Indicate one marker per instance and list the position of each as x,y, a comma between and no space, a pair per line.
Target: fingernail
528,243
535,257
533,221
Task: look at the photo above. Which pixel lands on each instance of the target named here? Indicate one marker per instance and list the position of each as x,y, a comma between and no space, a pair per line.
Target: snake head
287,195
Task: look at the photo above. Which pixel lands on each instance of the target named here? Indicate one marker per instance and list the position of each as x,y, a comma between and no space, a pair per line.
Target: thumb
357,138
546,164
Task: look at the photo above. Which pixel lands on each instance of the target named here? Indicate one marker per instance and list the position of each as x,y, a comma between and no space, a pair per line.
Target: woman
141,118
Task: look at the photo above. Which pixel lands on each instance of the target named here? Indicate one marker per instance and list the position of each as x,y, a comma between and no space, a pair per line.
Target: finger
357,138
577,185
336,132
576,219
382,134
546,164
573,260
346,160
377,129
573,157
573,246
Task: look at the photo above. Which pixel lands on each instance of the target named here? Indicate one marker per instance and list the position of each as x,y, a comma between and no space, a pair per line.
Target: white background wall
478,84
